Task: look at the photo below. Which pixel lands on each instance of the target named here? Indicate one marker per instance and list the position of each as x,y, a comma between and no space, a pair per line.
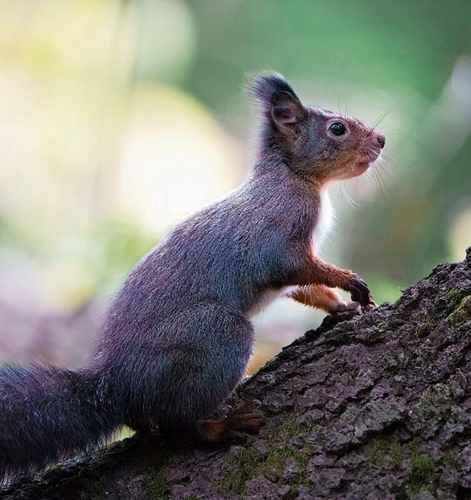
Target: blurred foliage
117,118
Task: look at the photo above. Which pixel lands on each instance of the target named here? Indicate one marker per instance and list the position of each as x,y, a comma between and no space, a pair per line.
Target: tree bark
374,406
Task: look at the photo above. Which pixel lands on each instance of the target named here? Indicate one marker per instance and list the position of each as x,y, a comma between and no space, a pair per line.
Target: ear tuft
264,87
277,99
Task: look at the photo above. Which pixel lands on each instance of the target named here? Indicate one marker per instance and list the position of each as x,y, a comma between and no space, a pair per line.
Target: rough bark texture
377,406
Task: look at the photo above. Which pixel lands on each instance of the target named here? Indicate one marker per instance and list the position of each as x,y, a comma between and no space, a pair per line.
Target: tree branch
377,406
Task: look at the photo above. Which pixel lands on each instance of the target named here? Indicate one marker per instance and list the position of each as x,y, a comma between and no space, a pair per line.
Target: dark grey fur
177,338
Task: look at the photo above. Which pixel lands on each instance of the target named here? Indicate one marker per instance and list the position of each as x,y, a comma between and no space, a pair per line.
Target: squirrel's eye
337,128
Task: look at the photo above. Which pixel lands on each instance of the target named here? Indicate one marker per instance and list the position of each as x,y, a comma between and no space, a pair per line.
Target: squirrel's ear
279,102
286,110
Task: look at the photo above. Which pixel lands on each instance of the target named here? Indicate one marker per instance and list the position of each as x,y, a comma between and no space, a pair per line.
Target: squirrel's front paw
360,292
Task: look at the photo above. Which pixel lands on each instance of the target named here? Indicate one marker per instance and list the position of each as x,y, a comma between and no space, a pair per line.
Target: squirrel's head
316,143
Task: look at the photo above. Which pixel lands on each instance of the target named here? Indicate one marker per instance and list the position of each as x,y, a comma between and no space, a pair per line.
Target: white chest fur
324,224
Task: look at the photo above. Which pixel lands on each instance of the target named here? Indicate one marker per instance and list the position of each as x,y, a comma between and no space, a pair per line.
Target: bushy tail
47,413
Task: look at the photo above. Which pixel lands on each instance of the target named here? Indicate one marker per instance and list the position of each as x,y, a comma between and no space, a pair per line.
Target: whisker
380,119
383,168
384,115
352,202
396,161
330,235
381,178
339,197
387,130
379,184
376,151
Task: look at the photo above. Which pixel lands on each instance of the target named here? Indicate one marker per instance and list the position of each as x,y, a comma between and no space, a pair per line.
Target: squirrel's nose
381,140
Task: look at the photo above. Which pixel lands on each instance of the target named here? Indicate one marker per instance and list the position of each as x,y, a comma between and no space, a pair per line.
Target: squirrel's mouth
367,158
373,154
361,167
361,162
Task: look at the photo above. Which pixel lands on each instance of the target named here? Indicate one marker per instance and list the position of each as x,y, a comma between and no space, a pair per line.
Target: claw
243,419
360,292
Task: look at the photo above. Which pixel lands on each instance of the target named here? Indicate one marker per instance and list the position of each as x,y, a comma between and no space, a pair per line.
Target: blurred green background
118,118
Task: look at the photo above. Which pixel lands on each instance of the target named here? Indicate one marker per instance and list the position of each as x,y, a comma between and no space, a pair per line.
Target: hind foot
240,421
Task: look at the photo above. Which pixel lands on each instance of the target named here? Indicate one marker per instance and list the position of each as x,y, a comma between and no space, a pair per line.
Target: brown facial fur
346,156
305,140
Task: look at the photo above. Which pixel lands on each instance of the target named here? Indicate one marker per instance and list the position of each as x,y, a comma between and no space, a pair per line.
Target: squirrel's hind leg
191,371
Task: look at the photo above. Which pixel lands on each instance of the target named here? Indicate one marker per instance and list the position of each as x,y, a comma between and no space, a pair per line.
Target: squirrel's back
250,233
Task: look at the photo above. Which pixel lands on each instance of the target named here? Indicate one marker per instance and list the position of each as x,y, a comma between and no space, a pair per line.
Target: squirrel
177,338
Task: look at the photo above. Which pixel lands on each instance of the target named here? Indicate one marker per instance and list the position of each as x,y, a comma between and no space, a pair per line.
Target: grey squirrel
177,338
